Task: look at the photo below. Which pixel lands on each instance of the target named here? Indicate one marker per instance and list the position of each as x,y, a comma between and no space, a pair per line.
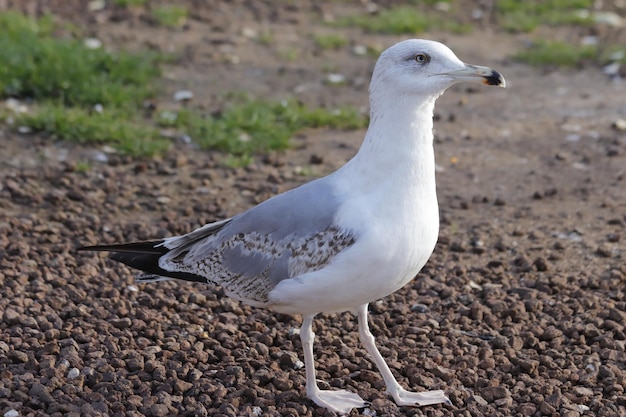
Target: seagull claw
340,401
419,399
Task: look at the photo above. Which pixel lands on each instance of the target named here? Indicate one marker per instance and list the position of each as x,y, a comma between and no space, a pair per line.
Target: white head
425,68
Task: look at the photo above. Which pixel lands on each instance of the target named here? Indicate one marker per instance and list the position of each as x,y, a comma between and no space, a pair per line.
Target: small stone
547,409
159,410
604,251
583,391
99,156
182,386
477,399
11,316
96,5
12,413
619,124
73,373
316,159
503,402
527,409
540,264
92,43
17,356
608,18
589,40
457,247
288,360
336,79
359,50
183,95
612,69
15,106
153,350
40,392
123,323
420,308
135,364
180,161
444,373
491,394
283,384
528,366
249,33
442,6
499,202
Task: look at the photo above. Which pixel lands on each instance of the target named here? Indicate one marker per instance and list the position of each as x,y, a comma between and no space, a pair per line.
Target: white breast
394,241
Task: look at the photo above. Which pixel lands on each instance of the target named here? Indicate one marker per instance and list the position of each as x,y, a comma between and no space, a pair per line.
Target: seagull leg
340,401
399,394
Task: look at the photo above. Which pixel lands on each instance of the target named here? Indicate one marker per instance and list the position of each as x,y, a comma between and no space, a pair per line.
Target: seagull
342,241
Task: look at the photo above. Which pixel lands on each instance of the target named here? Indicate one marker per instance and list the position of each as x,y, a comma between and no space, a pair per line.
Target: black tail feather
148,246
143,256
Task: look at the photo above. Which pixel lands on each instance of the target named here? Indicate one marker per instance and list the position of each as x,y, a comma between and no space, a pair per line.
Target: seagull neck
399,141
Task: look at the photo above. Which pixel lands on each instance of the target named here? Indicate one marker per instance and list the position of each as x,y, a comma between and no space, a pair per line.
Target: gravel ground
520,311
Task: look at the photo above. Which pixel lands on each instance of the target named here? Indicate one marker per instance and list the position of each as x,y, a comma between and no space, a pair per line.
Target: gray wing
249,254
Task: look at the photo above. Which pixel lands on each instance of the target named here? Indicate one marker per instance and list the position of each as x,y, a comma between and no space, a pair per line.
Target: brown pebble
135,364
283,384
527,409
182,386
11,316
159,410
123,323
316,159
288,360
40,392
491,394
17,356
604,251
540,264
477,399
457,247
547,409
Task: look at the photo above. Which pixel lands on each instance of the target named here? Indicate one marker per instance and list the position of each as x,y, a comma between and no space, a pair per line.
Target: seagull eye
422,58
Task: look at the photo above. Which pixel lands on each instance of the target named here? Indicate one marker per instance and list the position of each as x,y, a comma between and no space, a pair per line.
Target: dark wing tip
147,247
145,257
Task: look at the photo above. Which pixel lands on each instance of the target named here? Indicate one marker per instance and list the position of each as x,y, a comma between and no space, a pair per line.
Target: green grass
92,96
289,54
402,20
265,37
82,166
37,66
557,53
129,135
171,16
66,80
525,16
330,41
130,3
248,126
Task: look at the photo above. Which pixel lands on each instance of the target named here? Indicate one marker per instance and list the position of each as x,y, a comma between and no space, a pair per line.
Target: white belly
386,256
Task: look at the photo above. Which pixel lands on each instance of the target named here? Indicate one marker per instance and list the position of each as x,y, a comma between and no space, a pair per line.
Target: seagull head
426,68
